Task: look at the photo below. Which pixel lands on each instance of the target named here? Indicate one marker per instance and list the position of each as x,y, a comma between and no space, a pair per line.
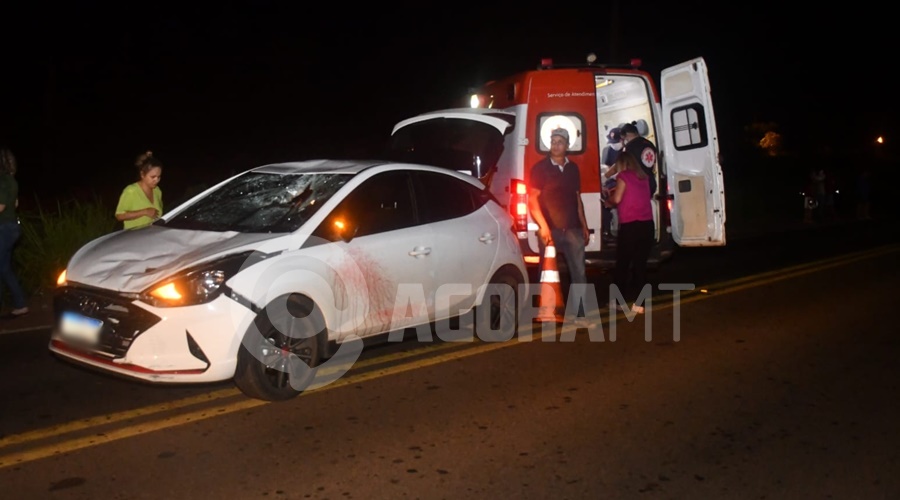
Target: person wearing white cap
554,200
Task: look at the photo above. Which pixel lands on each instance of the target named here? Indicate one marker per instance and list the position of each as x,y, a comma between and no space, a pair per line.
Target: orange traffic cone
551,291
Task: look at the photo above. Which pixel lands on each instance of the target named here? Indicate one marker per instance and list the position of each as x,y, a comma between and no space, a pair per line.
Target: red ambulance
506,130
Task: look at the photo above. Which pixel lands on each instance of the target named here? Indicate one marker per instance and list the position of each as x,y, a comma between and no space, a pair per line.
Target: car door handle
420,252
486,238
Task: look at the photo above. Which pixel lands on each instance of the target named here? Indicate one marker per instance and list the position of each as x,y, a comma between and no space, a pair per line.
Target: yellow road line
86,423
112,418
479,347
122,433
106,437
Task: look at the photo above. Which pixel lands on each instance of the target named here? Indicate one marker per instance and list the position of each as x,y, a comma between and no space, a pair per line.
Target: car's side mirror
348,232
343,229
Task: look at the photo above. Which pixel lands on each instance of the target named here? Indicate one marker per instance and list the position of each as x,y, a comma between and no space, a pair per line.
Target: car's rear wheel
497,318
280,351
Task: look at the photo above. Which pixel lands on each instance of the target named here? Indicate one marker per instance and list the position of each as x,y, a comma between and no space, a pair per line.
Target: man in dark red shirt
554,199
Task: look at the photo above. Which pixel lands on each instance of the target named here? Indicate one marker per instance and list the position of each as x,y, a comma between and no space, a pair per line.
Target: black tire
497,318
279,354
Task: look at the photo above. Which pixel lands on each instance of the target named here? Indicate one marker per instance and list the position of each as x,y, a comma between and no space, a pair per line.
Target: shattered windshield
258,202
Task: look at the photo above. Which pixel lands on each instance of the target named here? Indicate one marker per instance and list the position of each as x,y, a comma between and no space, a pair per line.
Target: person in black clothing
555,204
10,233
642,149
608,179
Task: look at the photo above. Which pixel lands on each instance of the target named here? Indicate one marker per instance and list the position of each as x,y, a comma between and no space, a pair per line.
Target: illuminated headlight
195,286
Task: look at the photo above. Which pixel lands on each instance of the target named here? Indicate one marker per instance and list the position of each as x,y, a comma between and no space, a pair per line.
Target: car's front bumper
187,344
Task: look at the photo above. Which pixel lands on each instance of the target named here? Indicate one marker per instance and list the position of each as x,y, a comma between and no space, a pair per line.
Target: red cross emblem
648,157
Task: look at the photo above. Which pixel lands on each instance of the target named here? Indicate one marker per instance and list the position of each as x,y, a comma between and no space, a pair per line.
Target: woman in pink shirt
635,236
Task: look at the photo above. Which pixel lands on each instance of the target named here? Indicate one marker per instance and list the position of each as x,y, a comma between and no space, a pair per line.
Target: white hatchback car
268,275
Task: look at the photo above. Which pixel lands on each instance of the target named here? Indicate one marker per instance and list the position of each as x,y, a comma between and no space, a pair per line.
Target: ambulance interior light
554,122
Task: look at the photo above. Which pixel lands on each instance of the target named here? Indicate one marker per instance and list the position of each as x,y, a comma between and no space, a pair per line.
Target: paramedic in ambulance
643,150
608,178
555,204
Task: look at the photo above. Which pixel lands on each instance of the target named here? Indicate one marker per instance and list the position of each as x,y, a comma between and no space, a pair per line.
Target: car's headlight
195,286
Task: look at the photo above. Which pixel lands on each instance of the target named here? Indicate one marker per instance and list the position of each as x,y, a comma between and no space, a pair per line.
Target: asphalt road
782,384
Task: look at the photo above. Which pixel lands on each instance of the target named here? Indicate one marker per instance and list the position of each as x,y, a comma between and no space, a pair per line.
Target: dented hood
132,260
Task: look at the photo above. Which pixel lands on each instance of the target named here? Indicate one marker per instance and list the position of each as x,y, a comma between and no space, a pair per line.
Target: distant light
477,101
546,62
591,58
635,62
880,140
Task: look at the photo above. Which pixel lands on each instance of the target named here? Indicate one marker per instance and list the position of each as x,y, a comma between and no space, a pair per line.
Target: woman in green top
141,203
10,232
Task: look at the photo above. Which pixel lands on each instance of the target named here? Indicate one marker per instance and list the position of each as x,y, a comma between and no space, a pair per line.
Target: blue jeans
9,234
570,243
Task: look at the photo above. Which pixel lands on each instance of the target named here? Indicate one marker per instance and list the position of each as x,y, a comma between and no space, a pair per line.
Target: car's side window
442,197
382,203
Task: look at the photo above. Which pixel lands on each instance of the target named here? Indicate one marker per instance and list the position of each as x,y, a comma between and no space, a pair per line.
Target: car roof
354,167
319,166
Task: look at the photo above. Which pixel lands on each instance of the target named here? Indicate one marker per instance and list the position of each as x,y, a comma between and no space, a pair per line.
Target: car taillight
518,204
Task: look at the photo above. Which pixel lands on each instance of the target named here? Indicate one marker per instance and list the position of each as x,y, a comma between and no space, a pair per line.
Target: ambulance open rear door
696,185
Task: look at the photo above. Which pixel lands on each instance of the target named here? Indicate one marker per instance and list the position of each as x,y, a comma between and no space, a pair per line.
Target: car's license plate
80,328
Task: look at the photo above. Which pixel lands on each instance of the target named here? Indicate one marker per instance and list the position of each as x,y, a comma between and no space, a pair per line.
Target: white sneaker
584,323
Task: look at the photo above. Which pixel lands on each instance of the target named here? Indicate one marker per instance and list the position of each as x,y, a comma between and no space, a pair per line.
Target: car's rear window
456,144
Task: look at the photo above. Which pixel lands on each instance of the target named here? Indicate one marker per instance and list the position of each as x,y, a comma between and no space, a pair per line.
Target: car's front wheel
281,349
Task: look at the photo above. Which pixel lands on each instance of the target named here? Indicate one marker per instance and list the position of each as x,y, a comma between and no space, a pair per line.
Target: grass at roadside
50,236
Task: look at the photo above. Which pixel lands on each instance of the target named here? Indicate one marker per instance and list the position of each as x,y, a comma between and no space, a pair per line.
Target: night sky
216,89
